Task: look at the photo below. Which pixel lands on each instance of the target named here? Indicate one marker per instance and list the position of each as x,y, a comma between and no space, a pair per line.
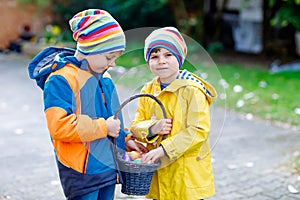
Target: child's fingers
169,120
146,158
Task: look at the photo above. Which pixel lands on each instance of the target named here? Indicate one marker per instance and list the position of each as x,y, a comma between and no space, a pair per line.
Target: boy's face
99,63
164,64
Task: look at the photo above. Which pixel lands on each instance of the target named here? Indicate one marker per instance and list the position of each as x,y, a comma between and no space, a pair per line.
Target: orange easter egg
134,154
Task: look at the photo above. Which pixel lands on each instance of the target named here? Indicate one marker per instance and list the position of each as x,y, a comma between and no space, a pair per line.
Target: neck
168,80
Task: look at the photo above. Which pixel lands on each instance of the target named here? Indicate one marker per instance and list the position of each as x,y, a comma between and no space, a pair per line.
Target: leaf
232,166
292,189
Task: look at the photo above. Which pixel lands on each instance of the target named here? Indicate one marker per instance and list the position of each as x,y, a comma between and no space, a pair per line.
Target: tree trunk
181,15
197,28
219,16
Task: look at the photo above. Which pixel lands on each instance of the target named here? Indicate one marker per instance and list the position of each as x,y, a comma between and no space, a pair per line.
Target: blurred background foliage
202,20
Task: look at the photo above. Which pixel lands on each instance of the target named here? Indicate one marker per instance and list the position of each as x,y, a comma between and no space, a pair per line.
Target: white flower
275,96
249,116
232,166
204,75
224,83
237,88
133,71
249,95
292,189
249,164
297,111
262,84
121,69
240,103
223,96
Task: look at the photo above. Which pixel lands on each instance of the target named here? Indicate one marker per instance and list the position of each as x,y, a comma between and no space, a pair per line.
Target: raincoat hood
48,61
187,78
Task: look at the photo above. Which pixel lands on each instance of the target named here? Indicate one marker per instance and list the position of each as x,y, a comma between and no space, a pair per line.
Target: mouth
161,68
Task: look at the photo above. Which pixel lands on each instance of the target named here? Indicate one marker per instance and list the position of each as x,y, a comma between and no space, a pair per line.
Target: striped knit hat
168,38
96,32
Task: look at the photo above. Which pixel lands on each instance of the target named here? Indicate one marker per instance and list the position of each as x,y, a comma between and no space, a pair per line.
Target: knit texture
168,38
96,32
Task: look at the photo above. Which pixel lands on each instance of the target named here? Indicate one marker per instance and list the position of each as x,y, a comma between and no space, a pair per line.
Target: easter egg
134,154
138,160
126,157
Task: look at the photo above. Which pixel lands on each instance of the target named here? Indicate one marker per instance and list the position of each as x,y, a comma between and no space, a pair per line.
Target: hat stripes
98,36
96,31
168,38
164,44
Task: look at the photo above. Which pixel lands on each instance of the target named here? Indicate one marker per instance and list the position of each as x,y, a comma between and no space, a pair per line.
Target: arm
63,122
142,122
197,125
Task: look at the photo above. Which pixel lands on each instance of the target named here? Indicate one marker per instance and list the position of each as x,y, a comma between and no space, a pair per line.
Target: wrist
165,153
151,135
129,137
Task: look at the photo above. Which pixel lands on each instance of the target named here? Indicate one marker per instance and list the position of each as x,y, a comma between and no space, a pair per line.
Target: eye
108,58
169,54
153,57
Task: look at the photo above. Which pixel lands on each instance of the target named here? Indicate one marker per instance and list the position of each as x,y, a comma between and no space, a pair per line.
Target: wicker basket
136,177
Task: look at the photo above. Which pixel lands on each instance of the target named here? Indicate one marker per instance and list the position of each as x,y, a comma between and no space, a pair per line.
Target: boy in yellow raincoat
186,170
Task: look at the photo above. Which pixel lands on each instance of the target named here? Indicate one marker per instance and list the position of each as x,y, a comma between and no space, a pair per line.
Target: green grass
269,97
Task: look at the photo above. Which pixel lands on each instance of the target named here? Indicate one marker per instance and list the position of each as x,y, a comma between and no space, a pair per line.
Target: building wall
14,17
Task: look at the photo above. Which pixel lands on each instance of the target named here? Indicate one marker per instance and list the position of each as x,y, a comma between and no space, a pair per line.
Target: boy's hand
113,127
132,145
162,127
153,156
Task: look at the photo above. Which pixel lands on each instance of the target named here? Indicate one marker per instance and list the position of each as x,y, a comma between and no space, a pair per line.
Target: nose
161,60
112,64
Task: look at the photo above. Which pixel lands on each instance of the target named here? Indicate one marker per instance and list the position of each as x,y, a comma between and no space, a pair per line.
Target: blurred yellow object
55,30
134,155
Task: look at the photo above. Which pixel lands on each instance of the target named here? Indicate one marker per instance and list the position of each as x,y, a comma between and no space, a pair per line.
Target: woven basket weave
137,177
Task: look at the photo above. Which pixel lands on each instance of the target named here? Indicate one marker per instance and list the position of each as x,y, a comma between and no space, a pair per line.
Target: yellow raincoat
186,173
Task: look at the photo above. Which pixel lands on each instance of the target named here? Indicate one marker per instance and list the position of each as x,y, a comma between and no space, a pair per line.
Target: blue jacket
76,104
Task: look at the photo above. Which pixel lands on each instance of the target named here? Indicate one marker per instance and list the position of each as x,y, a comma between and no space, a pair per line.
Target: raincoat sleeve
141,123
194,135
63,123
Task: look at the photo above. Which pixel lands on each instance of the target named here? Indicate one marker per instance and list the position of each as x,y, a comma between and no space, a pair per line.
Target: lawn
251,91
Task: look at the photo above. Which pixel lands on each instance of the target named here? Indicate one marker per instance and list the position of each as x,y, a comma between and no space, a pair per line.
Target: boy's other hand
153,156
113,126
162,127
132,145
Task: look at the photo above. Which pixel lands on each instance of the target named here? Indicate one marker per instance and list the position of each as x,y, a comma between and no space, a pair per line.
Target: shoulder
68,71
148,87
191,91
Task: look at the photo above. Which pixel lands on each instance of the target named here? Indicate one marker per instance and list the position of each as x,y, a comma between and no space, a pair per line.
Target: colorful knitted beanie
96,32
168,38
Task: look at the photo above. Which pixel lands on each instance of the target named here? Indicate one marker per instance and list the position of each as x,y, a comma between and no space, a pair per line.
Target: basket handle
137,96
142,95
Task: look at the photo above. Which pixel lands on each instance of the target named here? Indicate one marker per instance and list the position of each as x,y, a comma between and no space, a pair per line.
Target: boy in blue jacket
80,100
